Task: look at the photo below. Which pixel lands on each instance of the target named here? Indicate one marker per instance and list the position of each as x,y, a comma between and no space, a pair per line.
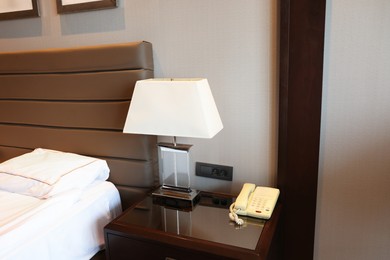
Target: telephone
258,202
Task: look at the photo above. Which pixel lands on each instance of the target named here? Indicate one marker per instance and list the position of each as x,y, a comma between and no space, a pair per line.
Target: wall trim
302,28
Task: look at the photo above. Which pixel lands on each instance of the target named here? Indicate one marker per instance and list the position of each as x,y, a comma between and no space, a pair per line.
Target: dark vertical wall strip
301,67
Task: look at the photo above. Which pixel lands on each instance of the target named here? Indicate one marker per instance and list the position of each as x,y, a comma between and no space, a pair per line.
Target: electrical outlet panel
215,171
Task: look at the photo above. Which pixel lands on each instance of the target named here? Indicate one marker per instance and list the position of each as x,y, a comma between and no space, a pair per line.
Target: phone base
176,199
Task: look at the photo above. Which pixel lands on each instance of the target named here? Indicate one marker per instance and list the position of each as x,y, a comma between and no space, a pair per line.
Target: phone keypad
258,204
262,203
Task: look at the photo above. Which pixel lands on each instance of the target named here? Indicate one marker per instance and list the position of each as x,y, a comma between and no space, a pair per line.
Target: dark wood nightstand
152,231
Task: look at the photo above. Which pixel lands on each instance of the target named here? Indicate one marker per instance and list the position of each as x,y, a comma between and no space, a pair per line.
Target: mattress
67,226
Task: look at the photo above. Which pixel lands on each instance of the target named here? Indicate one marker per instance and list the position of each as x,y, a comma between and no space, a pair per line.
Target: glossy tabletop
208,221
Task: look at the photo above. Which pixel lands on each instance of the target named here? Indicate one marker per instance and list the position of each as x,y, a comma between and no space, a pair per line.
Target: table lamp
176,107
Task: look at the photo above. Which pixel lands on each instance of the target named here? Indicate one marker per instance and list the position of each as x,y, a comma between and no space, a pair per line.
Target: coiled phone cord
233,215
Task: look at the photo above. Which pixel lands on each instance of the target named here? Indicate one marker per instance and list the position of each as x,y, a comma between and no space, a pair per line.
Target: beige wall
353,216
232,43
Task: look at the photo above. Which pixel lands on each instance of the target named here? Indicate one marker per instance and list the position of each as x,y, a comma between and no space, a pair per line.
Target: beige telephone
258,202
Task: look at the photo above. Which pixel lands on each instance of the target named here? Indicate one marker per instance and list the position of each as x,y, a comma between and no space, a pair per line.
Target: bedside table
151,231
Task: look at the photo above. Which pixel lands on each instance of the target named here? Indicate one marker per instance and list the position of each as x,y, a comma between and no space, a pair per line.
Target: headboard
76,100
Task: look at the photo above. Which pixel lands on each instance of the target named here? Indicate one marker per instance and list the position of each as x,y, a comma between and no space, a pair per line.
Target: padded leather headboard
76,100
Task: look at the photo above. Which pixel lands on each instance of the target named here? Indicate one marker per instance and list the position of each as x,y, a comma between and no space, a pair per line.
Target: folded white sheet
43,165
44,173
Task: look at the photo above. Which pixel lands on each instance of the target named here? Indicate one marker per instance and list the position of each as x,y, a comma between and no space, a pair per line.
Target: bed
74,102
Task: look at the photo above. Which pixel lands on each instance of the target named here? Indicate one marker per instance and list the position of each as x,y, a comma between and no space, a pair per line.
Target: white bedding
66,226
44,173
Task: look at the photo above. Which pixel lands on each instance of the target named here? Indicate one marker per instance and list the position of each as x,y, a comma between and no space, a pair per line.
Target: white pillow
44,173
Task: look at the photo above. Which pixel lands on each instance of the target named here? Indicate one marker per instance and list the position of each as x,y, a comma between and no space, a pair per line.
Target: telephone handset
258,202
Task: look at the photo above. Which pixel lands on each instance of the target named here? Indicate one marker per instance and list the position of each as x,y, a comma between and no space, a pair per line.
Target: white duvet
54,205
16,209
22,215
69,226
13,206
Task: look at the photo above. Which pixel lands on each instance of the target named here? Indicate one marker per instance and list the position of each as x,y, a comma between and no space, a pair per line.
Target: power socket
214,171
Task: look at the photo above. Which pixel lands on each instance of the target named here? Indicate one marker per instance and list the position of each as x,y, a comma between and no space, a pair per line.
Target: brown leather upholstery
129,56
76,100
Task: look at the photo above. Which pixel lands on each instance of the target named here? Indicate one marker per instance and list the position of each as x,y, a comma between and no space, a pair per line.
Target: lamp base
176,199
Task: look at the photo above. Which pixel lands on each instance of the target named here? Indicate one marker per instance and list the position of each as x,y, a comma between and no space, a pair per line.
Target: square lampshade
173,107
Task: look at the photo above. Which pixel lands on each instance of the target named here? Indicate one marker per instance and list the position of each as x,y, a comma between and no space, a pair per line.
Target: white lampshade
173,107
